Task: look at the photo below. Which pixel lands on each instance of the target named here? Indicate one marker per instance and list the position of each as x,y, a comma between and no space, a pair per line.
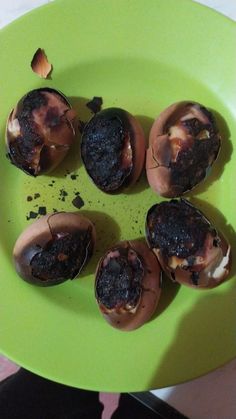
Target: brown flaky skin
128,320
39,233
161,153
40,131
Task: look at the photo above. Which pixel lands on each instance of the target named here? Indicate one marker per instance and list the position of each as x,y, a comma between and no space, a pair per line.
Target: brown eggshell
130,320
160,153
139,149
40,232
221,257
51,123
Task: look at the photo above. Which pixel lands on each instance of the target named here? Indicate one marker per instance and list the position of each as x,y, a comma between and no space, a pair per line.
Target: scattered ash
74,176
78,201
42,211
32,215
63,195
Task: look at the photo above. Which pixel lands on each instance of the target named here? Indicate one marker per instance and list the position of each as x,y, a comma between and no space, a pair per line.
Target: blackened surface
119,282
102,144
177,228
62,258
95,104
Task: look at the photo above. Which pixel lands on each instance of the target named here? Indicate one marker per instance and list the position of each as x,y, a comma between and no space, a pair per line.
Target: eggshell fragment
40,64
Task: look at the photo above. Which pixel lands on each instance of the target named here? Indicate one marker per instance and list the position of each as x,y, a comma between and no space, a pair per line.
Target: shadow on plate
107,233
168,293
203,340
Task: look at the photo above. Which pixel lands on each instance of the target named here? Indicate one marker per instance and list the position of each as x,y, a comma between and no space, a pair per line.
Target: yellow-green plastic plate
141,56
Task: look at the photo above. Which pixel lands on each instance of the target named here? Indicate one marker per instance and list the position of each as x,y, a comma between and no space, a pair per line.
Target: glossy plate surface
140,56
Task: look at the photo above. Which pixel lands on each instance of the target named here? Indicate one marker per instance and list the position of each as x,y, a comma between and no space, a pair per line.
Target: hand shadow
203,340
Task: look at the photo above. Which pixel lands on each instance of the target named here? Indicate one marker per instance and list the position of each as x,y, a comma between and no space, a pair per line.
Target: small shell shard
40,64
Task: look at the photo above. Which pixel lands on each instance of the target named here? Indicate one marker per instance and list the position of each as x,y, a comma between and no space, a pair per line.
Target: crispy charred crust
62,258
177,229
103,141
119,282
23,148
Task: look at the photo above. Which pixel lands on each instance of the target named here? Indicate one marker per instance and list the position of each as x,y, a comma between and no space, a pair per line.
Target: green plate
140,56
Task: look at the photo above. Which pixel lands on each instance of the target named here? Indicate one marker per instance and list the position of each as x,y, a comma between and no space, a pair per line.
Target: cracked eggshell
128,319
169,136
37,235
40,131
210,263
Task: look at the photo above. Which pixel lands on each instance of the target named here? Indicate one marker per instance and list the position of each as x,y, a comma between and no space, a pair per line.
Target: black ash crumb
29,198
42,211
31,215
63,195
36,195
73,176
95,104
78,202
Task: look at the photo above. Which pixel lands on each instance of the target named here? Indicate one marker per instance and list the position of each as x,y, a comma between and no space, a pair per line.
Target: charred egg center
177,228
63,257
119,280
107,150
182,235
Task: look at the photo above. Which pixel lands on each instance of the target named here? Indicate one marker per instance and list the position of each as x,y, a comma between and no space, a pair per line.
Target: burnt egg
113,149
127,284
184,142
40,131
54,248
187,245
